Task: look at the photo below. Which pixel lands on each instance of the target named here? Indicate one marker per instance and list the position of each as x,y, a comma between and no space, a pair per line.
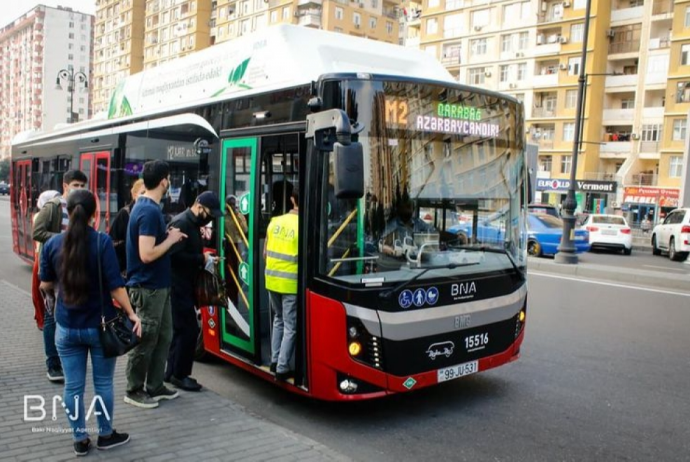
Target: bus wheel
534,249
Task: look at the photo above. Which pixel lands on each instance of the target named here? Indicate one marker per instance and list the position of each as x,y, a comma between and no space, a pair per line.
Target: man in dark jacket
187,259
51,220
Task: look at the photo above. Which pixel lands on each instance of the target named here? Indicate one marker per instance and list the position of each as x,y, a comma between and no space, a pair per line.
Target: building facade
373,19
34,49
635,114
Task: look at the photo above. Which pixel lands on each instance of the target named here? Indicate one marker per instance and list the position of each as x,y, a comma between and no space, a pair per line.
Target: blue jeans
284,329
52,358
74,346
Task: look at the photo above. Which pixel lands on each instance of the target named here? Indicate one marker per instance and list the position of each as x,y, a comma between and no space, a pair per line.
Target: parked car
547,209
673,235
4,188
609,232
490,229
544,234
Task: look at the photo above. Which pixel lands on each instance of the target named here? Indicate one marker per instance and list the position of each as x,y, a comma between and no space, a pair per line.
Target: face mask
203,219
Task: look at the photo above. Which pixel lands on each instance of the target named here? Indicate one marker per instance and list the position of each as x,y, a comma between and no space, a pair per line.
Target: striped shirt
65,216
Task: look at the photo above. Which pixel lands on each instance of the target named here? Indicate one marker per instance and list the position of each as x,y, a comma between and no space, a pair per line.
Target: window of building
570,99
71,35
683,92
372,23
580,4
522,71
480,18
577,33
687,17
574,66
506,43
503,73
476,76
286,13
452,25
389,27
70,46
545,164
70,57
434,3
274,16
452,53
374,3
454,4
520,97
679,128
651,132
566,164
523,40
357,19
338,29
568,131
431,26
685,55
478,46
628,103
675,168
71,25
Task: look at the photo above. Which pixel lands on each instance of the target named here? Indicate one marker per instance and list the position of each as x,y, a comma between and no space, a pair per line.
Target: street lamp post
72,79
566,250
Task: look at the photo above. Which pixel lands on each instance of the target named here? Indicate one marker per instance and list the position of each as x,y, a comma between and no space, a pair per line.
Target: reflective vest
281,254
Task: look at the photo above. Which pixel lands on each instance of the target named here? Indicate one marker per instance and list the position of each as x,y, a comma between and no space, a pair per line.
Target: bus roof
274,58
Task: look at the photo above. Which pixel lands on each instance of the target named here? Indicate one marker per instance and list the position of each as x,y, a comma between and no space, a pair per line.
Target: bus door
96,167
239,248
21,206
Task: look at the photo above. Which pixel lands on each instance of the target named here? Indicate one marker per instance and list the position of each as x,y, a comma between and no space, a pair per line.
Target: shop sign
663,197
591,186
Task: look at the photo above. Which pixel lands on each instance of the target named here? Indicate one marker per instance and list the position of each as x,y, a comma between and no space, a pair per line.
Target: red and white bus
392,159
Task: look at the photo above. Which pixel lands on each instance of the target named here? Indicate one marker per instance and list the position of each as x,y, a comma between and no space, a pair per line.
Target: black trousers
185,333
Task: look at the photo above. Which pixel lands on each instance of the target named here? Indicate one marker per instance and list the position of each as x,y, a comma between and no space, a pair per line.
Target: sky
12,9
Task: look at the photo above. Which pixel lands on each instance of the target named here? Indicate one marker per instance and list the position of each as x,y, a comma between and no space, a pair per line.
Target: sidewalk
195,426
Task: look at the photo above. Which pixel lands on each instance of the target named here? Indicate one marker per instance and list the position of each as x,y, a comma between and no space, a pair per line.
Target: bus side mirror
349,170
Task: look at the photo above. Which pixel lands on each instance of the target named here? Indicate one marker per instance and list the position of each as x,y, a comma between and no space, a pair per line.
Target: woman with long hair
69,267
118,229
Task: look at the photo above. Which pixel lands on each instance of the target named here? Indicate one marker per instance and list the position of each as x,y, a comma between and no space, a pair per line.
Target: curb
607,273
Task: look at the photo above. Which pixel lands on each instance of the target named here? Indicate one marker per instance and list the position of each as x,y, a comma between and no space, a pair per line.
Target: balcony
614,116
650,146
600,176
626,14
629,80
659,43
412,42
662,7
616,147
310,20
654,113
543,18
448,60
643,179
547,49
545,144
302,3
548,80
542,112
632,46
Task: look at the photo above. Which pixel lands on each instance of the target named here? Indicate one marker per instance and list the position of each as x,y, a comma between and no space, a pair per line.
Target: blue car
545,232
490,230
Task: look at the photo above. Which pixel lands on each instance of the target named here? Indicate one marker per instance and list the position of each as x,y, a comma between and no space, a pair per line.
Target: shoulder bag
208,289
117,335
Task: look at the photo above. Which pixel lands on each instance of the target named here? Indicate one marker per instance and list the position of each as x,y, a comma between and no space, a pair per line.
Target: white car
609,232
673,235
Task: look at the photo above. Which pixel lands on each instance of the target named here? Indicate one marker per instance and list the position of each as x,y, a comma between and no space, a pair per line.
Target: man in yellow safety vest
280,252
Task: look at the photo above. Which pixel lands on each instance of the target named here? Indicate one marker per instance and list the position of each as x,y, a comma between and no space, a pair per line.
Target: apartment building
37,49
118,46
175,28
373,19
635,117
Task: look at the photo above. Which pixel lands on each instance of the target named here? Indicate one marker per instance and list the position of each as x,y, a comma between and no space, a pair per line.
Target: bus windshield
444,179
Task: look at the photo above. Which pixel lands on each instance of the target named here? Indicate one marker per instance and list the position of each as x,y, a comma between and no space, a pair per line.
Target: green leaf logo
119,104
235,77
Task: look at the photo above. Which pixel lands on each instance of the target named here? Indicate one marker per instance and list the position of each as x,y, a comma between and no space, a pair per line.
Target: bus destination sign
455,119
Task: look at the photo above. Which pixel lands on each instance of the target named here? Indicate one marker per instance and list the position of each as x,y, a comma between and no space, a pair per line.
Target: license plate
453,372
609,232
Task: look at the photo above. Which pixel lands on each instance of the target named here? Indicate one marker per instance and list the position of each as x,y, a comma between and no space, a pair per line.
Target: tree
5,170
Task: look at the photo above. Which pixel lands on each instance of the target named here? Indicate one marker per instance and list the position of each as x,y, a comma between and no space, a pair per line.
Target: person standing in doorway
52,220
188,258
148,280
280,252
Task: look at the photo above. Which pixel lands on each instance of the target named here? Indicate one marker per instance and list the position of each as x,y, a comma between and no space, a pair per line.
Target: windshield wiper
387,294
488,249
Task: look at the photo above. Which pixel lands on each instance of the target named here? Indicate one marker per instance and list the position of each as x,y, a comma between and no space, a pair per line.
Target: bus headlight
355,348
